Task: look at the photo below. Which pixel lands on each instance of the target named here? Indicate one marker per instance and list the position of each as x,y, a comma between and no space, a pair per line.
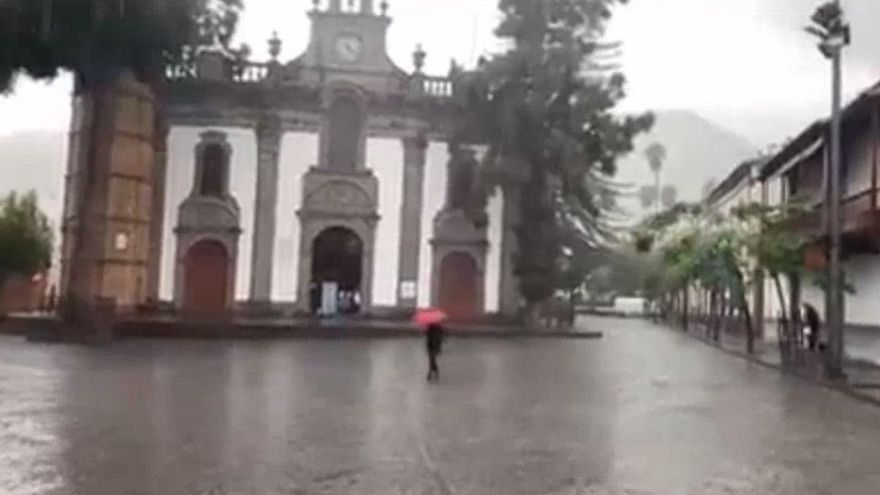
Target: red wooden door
459,291
205,279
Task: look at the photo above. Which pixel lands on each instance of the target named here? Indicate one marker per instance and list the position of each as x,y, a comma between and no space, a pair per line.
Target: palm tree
656,154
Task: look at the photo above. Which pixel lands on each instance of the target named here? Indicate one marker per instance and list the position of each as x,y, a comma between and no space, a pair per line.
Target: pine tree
547,105
95,39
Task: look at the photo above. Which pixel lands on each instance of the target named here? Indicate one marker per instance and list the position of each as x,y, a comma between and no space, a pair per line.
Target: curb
828,385
54,332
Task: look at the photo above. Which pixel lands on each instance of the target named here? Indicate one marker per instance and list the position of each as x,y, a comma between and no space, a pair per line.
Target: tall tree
547,106
25,237
95,39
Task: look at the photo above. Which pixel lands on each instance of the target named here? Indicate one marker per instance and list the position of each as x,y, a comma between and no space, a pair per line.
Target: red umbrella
431,316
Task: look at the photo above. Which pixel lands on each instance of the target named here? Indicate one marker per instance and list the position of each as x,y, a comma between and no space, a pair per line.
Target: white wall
493,257
863,308
181,166
385,159
434,196
299,151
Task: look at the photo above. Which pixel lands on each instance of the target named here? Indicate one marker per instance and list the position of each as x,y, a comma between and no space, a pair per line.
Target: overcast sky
744,63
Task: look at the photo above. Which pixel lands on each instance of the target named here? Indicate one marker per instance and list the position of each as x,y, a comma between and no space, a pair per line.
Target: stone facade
346,89
211,217
333,200
106,225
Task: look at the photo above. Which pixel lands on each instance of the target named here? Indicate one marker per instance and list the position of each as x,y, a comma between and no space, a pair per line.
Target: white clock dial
349,48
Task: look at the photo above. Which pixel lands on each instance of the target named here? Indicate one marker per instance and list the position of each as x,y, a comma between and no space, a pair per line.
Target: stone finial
335,5
316,5
384,7
351,5
274,46
419,58
367,7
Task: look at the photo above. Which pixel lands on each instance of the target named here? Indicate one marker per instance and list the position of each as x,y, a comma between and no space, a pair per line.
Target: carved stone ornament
339,195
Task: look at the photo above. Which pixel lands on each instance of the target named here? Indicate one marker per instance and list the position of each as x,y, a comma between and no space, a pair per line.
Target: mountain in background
698,151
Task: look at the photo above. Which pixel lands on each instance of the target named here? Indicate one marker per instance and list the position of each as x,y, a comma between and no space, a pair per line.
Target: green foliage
96,38
778,248
25,236
546,105
621,271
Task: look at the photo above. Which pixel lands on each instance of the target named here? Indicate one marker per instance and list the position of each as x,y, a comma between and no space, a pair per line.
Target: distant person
52,300
814,323
434,343
314,298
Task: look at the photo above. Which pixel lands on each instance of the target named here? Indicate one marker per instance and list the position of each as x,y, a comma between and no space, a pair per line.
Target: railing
249,72
853,208
180,72
238,72
437,87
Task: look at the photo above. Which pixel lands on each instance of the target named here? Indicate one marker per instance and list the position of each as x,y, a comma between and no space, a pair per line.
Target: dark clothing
434,345
434,339
811,317
315,298
433,369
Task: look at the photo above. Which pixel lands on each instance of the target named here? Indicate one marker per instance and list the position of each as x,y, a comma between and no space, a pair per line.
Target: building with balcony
799,172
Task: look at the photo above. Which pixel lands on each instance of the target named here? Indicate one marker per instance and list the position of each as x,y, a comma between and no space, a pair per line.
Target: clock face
349,48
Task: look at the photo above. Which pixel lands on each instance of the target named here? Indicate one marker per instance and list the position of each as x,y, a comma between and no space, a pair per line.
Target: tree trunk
780,293
2,309
794,311
747,313
685,303
715,319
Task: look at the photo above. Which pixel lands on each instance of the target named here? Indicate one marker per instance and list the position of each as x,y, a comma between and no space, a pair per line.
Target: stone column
157,222
268,147
509,285
106,229
414,151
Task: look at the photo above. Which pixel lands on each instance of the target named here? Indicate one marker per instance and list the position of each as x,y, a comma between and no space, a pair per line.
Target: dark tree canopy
25,236
96,38
547,104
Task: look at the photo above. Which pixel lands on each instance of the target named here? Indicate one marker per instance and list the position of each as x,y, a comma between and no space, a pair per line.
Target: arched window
346,122
214,168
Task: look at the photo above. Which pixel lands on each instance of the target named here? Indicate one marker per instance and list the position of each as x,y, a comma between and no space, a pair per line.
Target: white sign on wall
408,289
329,298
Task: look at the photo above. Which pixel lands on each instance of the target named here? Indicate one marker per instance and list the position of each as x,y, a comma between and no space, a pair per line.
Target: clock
349,48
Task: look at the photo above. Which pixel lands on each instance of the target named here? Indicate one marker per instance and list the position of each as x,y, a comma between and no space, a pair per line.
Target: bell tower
349,35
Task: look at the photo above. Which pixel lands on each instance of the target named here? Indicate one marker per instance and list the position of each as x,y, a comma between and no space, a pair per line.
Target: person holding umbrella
431,320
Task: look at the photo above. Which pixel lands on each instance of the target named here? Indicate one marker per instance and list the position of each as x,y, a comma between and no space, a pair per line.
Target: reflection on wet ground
642,411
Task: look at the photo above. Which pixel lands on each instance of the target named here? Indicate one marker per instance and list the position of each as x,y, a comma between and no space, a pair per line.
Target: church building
273,179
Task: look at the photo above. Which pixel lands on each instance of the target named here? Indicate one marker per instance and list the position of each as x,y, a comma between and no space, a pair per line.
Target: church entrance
337,263
205,279
459,290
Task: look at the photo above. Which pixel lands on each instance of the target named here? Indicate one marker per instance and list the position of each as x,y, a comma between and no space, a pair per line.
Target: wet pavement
642,411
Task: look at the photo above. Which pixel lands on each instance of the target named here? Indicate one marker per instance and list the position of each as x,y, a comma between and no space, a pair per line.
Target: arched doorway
337,256
459,294
206,279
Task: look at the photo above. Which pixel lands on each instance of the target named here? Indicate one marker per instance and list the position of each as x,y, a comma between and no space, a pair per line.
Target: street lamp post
834,35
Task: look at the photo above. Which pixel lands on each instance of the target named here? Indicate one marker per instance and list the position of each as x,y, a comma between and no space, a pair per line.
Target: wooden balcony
861,223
